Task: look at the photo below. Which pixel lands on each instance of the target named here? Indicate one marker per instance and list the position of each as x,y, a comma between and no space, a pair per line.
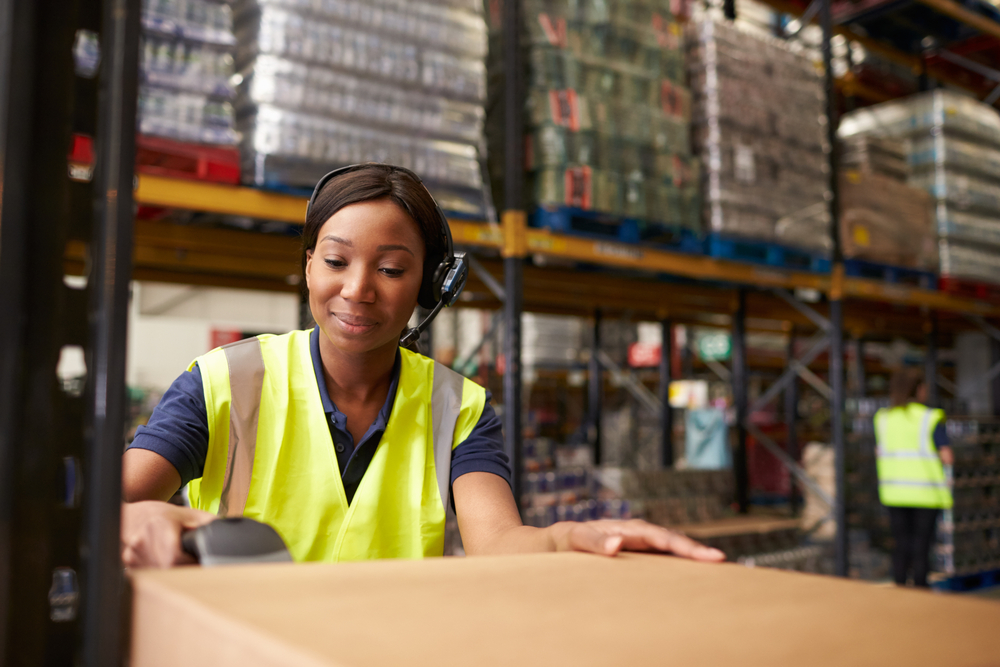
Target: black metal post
514,251
791,417
860,375
837,433
667,415
41,420
836,306
740,400
595,391
930,365
112,270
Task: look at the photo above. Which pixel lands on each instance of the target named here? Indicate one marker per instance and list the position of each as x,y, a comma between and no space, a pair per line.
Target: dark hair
903,386
370,183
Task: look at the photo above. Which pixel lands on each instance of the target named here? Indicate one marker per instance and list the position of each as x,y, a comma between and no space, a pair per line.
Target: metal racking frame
37,199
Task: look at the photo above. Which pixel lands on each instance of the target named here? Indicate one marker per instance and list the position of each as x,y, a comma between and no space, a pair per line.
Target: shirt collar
330,409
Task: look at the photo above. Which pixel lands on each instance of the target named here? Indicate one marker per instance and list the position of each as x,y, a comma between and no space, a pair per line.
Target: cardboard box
546,609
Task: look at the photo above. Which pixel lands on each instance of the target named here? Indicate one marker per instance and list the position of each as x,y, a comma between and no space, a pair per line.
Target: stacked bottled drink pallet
759,129
953,148
560,485
327,83
607,111
969,534
186,88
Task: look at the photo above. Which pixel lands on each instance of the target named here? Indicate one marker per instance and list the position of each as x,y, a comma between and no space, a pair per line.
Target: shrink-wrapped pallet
606,111
881,220
186,69
759,128
335,82
953,147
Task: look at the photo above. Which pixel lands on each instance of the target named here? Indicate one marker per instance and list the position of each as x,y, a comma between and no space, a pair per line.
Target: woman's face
364,275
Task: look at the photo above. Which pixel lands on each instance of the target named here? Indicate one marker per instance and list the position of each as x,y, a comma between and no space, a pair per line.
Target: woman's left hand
610,537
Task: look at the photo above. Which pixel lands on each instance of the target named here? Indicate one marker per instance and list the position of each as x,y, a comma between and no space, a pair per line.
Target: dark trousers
913,532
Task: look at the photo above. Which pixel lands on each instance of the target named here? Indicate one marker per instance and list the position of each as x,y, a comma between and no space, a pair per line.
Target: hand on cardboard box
151,533
610,537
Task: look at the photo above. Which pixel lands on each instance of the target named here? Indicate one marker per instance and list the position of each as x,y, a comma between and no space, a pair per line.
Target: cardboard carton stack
607,112
346,81
882,220
759,129
953,149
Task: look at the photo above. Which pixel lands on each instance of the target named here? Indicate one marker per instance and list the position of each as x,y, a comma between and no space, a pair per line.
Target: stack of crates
969,534
607,114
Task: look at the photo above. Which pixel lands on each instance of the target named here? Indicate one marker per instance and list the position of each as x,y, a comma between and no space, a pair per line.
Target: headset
444,277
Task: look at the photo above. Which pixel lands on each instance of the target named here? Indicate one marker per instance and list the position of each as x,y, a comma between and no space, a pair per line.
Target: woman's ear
309,259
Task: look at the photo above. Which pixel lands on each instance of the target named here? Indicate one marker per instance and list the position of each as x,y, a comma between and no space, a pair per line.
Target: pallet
670,237
764,252
579,222
165,157
176,159
970,582
898,275
969,288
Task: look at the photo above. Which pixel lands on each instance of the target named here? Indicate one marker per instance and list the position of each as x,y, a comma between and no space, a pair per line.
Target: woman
912,445
354,445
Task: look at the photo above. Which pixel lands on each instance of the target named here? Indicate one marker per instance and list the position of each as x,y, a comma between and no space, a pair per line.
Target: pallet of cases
953,152
969,533
326,84
186,86
607,113
887,229
758,131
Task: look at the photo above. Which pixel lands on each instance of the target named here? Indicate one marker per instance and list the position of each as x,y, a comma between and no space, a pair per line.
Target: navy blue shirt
178,431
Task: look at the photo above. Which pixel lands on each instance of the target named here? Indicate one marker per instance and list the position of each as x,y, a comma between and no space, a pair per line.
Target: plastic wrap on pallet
340,81
943,152
953,144
881,220
759,129
607,114
875,155
186,71
968,261
924,115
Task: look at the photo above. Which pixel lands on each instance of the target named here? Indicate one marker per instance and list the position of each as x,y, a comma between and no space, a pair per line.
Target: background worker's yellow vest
910,473
278,466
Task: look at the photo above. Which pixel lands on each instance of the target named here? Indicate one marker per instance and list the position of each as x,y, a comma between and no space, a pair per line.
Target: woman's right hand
151,533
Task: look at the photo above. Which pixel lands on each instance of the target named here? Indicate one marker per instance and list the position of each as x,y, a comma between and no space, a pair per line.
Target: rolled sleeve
178,428
483,450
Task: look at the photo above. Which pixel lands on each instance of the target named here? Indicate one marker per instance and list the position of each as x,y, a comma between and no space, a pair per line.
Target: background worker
334,436
912,449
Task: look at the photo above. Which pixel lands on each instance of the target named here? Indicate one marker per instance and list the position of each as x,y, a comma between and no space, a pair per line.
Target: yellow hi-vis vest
910,473
271,457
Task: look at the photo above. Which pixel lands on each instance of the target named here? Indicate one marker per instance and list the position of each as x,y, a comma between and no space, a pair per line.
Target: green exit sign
716,346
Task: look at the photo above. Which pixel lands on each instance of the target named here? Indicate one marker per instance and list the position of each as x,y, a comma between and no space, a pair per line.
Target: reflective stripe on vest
910,476
287,474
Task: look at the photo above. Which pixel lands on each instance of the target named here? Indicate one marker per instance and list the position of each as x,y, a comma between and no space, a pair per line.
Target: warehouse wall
170,325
